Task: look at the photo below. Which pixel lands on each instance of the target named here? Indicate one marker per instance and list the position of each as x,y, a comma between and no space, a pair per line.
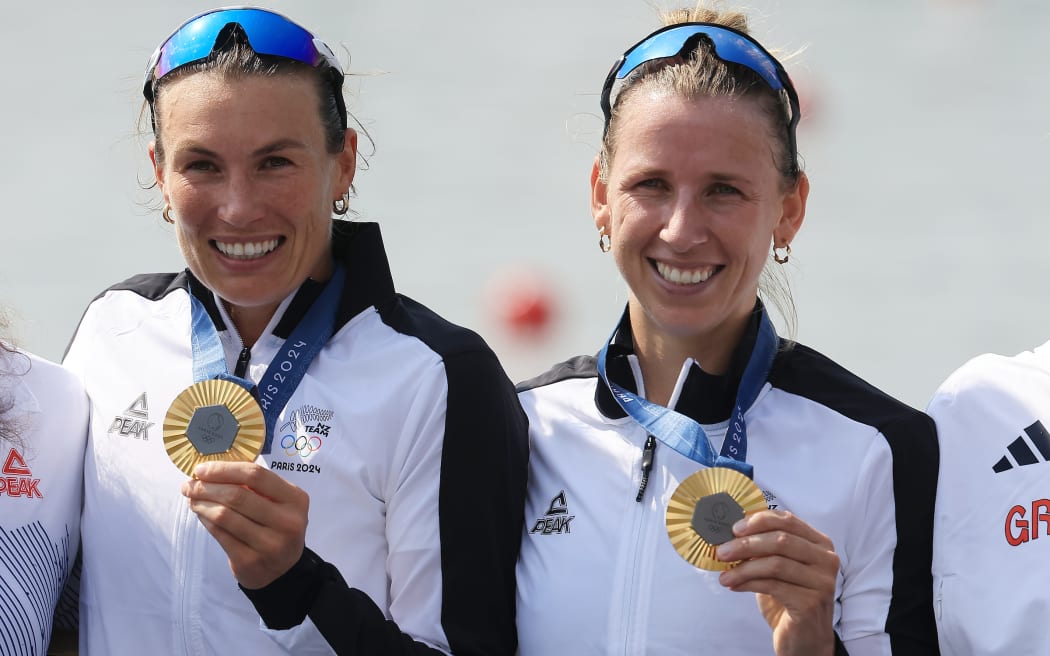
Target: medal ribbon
687,436
286,369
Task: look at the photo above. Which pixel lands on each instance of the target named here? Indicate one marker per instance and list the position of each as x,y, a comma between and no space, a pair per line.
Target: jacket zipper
241,368
647,465
187,574
630,590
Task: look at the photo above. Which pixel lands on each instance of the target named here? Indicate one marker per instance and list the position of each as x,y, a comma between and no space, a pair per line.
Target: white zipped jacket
598,573
41,477
404,431
992,529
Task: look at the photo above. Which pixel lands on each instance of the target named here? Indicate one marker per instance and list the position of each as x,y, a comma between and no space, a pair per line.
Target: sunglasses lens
664,44
729,46
268,34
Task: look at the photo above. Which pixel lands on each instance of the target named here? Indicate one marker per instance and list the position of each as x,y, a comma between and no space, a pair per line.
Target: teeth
682,276
246,251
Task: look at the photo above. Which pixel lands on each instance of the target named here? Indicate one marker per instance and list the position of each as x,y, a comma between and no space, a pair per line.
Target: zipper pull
647,465
242,362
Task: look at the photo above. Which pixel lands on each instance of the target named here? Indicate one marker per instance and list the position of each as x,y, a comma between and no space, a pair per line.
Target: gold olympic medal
213,420
702,511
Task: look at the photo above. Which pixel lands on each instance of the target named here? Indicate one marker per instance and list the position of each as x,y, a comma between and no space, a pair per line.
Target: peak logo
134,422
18,481
556,519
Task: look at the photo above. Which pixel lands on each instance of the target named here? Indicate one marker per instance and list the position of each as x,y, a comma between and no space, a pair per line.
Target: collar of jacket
706,398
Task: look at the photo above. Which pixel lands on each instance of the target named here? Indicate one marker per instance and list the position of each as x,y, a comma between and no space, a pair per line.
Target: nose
239,204
686,225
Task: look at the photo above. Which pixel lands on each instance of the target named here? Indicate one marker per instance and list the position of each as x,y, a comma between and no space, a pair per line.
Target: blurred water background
926,136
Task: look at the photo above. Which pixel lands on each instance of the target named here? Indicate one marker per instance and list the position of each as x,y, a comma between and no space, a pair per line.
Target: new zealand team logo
18,480
301,437
557,519
303,445
772,502
134,422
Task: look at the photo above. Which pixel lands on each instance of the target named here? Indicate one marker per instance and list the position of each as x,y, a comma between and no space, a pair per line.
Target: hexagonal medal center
714,516
212,429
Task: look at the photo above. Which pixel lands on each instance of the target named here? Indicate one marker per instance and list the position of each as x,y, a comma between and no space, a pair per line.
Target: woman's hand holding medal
257,517
792,568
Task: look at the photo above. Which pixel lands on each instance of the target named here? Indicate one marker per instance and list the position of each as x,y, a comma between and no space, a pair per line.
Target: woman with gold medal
281,379
703,486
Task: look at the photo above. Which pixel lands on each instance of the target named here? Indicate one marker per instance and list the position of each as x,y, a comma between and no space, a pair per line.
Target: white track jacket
992,529
405,432
41,478
598,574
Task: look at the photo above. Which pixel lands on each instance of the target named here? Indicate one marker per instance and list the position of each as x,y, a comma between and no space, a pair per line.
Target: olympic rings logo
303,445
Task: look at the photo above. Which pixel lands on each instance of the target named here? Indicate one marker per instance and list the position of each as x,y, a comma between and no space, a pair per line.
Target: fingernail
200,470
725,552
739,527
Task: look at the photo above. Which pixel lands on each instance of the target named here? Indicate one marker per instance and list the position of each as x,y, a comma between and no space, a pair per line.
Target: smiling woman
680,158
243,165
727,490
283,347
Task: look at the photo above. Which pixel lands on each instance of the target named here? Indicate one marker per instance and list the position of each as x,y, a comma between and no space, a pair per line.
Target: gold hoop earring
341,206
604,240
782,259
167,214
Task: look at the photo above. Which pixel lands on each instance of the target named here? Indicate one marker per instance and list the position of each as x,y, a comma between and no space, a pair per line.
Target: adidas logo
556,519
1021,451
134,421
18,481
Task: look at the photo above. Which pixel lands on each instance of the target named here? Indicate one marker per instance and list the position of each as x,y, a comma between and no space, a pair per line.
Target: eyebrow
717,176
280,144
729,177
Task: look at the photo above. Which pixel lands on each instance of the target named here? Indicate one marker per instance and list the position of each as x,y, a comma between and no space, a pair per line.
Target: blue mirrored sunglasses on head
728,44
268,33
